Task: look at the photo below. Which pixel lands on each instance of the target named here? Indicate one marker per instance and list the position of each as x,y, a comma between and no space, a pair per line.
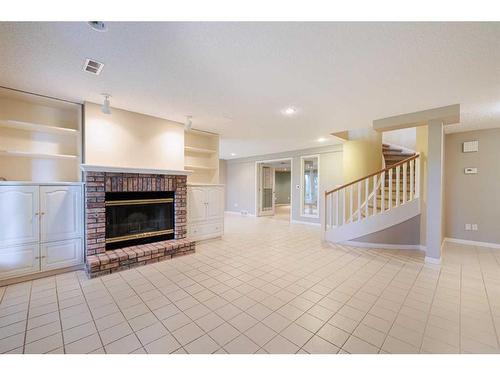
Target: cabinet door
197,203
215,197
18,215
61,254
19,260
60,212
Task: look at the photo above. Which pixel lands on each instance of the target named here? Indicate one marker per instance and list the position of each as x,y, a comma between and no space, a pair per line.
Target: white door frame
257,183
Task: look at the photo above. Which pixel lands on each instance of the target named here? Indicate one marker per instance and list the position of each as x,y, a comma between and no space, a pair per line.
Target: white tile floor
267,287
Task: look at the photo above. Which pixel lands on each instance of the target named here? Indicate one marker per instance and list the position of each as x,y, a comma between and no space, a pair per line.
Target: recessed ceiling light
98,26
321,139
233,154
289,111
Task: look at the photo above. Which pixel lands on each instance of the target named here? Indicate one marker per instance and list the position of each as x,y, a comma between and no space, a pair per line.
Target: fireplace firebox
134,218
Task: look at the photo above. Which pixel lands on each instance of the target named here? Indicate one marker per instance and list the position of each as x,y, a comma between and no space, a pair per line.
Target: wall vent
93,67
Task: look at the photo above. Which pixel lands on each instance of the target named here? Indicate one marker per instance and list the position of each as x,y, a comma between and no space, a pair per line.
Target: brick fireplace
99,184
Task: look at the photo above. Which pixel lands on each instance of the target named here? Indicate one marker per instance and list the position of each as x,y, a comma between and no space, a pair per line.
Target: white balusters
367,188
405,182
337,220
411,179
359,201
350,204
397,186
382,192
390,189
344,207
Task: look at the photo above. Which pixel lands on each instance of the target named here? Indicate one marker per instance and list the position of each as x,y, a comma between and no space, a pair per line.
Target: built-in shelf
199,167
28,126
199,150
40,155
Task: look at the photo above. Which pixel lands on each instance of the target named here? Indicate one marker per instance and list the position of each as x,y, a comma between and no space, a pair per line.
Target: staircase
377,201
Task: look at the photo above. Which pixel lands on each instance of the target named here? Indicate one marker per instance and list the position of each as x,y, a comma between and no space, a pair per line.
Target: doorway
274,189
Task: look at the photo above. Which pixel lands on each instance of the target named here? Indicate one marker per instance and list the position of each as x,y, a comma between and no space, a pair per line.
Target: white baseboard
238,213
473,243
304,222
433,260
383,245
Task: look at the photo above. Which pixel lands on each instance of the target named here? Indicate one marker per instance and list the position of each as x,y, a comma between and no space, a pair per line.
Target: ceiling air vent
92,66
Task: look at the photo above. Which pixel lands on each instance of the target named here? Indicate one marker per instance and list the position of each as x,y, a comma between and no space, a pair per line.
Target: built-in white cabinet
41,228
205,211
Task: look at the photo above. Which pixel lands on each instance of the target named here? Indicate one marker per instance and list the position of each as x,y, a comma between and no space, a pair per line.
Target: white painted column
435,192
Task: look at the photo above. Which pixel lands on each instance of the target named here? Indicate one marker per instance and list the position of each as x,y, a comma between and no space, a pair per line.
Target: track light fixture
189,123
105,105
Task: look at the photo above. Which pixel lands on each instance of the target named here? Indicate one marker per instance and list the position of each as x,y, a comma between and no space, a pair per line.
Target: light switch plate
468,227
474,226
470,170
470,146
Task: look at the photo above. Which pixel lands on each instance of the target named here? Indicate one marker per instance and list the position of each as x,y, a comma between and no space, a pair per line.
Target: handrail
373,174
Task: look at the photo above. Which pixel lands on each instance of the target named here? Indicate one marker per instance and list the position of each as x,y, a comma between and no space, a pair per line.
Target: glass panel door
310,186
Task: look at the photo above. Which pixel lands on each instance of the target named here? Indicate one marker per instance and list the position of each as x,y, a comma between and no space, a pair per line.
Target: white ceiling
235,78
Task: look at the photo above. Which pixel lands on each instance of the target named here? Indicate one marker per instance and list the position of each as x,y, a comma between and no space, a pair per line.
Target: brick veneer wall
99,260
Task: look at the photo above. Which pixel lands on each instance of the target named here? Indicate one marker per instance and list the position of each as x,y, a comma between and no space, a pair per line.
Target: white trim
304,222
384,245
239,213
432,260
301,207
474,243
104,168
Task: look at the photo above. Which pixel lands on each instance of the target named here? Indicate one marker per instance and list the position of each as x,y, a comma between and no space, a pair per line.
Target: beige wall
361,157
133,140
474,198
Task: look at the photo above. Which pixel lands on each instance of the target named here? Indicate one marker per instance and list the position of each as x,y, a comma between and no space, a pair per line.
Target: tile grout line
60,319
27,316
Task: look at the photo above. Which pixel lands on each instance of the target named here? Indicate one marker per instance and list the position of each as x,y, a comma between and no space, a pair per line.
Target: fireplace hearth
134,218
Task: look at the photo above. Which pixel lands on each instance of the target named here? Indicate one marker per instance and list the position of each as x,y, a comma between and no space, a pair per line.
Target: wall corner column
435,191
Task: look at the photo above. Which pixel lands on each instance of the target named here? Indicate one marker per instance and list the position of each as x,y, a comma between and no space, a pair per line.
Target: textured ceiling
235,78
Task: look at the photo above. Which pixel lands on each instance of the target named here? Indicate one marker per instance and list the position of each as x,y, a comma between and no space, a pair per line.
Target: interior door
60,208
19,215
197,203
266,190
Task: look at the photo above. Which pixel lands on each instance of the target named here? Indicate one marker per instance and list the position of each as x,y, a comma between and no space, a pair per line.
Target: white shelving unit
40,138
201,156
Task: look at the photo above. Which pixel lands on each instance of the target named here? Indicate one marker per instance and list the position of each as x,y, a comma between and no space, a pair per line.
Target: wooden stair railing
366,196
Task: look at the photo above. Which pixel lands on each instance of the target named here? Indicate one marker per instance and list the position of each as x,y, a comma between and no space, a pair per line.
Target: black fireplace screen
138,217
